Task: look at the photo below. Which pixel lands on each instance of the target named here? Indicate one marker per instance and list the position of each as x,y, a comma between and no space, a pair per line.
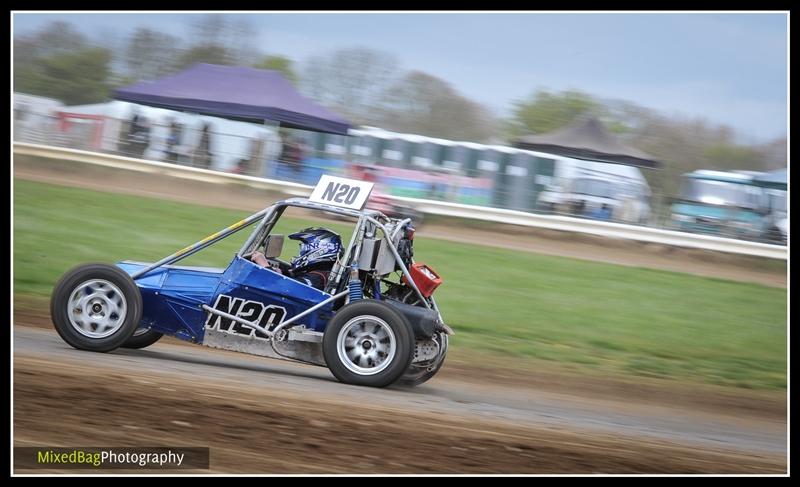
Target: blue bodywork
172,296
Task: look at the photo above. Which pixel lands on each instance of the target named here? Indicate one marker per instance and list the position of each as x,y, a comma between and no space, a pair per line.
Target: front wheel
419,374
142,337
368,343
96,307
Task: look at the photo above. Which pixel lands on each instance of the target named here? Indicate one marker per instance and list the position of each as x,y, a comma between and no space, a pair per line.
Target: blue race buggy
374,323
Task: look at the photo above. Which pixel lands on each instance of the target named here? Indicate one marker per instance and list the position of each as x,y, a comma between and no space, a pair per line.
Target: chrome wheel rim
97,308
366,345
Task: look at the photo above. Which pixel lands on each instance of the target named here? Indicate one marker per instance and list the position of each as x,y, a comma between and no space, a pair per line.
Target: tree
150,54
544,112
242,36
682,144
74,78
350,80
424,104
57,61
279,63
774,153
686,144
208,53
55,37
218,39
209,29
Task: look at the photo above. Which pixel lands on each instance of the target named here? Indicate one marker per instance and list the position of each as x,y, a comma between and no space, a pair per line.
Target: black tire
415,376
145,339
123,327
370,310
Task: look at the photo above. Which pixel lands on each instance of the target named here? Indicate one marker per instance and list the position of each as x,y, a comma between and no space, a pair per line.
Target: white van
585,188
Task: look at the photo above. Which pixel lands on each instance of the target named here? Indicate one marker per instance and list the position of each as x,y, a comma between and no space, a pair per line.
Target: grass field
579,315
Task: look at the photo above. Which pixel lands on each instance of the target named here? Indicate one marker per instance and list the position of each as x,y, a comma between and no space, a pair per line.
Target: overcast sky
728,68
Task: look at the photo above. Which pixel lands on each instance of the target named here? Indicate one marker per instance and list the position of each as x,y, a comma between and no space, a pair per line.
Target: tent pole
272,164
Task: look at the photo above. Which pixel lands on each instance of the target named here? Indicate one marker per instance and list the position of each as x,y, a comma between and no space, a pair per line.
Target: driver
319,250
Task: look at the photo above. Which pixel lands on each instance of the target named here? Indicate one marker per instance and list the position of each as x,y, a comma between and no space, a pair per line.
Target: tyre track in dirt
241,405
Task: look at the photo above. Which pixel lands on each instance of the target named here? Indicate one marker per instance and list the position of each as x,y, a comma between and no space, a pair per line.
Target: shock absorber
354,285
377,284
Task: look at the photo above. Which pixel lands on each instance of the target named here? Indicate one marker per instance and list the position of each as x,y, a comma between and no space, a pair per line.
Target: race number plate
346,193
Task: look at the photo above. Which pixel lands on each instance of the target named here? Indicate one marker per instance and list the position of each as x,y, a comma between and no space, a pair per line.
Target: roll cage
368,224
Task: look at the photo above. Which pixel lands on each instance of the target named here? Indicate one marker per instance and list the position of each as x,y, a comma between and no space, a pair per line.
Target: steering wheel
280,264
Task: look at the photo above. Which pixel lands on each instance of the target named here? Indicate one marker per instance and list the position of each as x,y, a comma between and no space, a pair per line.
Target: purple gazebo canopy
237,93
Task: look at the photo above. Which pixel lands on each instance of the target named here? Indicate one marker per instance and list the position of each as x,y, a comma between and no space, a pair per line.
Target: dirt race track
265,416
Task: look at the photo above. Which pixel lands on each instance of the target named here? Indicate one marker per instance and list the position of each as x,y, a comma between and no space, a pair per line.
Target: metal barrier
552,222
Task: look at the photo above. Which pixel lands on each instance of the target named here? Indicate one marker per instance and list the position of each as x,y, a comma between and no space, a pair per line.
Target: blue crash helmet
317,246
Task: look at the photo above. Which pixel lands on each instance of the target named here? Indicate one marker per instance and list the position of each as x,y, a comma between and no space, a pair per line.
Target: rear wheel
368,343
96,307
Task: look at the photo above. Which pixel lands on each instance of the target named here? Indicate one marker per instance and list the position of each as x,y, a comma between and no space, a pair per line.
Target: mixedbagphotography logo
146,458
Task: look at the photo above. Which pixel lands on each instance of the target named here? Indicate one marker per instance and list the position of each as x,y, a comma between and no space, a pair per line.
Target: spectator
602,213
437,188
133,124
242,167
292,157
251,164
174,141
578,207
203,156
364,172
138,136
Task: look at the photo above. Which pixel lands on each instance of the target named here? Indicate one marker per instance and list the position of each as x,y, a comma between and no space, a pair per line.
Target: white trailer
582,187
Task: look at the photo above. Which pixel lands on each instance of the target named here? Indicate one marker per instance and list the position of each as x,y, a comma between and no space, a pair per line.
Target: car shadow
210,361
424,389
